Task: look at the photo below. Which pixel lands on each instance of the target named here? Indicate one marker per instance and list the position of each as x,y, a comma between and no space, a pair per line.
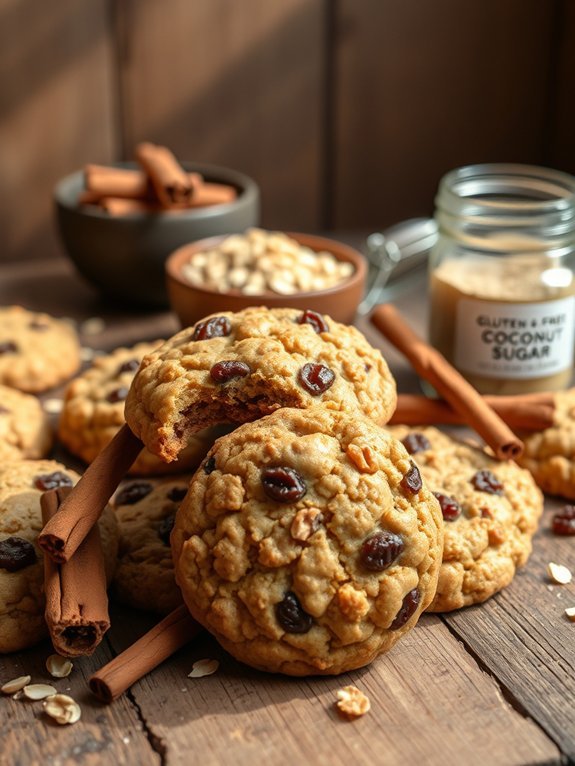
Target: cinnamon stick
212,194
79,512
173,632
76,600
170,182
522,412
450,385
102,181
117,182
119,206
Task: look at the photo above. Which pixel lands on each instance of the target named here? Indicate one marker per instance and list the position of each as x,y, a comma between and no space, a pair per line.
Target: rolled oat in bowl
260,262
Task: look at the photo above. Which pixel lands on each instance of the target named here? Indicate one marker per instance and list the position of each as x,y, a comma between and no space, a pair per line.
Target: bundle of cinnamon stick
160,185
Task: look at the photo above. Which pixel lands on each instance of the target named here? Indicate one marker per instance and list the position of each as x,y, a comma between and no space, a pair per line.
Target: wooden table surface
488,685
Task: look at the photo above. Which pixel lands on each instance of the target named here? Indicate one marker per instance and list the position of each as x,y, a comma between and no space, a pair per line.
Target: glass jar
502,284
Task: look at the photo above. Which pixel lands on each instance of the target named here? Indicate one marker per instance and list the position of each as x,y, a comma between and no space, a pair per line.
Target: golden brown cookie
307,543
37,352
93,412
21,570
25,429
549,455
145,511
491,510
234,368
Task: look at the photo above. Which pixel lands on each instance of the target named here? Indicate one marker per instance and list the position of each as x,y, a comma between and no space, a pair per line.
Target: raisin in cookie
25,429
307,542
21,569
37,352
490,508
550,454
145,511
93,412
234,368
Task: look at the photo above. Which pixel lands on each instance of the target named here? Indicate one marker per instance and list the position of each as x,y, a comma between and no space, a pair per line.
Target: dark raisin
165,528
450,508
485,481
4,410
16,553
224,371
564,521
316,378
117,395
314,319
131,365
411,482
46,481
216,327
380,551
210,465
8,347
177,494
283,484
133,493
416,442
408,607
40,325
291,615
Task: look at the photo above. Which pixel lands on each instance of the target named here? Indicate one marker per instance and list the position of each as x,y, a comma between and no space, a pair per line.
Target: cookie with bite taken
237,367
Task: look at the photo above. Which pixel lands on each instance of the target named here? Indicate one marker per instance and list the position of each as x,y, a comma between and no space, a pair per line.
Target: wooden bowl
191,303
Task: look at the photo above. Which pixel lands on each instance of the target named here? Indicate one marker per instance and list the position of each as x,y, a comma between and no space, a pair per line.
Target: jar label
514,340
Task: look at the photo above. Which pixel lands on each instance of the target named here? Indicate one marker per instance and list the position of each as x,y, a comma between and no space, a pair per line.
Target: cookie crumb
558,573
203,668
39,691
15,685
62,709
570,613
58,667
351,702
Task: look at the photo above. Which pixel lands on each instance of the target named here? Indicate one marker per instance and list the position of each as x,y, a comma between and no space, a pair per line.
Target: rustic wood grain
425,87
523,637
237,84
56,112
430,704
110,734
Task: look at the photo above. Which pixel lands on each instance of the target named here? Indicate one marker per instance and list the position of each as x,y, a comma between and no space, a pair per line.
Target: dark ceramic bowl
191,302
124,256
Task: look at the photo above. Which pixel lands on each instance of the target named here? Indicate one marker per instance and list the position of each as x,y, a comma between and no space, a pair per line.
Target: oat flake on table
203,668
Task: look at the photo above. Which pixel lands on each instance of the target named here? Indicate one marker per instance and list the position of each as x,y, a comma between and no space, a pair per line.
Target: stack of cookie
310,538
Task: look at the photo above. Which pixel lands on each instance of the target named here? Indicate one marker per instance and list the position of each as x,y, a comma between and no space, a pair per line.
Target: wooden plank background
346,112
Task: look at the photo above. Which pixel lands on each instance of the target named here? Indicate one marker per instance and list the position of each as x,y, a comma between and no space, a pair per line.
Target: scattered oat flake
53,406
62,709
351,702
558,573
39,691
93,326
570,613
58,667
15,685
203,668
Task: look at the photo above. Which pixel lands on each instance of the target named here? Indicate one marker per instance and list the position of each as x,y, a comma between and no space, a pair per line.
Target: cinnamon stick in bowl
170,181
449,383
76,600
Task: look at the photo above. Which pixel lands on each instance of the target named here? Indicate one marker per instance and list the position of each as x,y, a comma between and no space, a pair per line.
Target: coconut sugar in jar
502,285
